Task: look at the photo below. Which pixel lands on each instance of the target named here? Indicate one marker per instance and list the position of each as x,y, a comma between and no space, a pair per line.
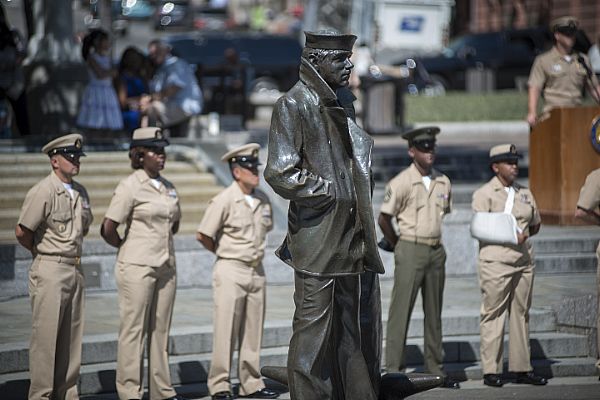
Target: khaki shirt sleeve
589,196
480,202
393,199
121,204
213,219
35,209
537,77
536,219
86,210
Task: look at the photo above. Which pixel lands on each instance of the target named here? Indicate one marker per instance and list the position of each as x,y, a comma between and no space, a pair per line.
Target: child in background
99,107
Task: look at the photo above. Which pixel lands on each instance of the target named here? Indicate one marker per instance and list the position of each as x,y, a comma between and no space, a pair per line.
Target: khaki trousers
146,298
418,266
239,313
505,290
56,292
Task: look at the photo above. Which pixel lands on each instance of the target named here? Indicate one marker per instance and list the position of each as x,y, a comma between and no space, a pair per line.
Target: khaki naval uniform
562,79
146,280
589,199
56,285
239,231
420,258
506,281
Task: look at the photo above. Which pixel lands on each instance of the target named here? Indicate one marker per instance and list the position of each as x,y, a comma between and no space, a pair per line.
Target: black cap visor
149,143
67,150
424,145
506,157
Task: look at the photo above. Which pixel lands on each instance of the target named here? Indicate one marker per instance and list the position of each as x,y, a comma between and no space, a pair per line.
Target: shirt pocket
240,224
62,222
442,201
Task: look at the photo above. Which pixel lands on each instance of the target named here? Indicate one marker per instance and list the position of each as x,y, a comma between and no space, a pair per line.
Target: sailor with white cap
55,217
506,272
234,227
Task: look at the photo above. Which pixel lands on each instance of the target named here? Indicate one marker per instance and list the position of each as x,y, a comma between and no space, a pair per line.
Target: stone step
89,169
40,158
552,367
565,263
465,348
195,340
565,245
108,182
193,368
102,197
100,378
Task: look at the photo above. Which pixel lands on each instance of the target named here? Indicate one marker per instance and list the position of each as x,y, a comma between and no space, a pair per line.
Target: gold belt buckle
77,260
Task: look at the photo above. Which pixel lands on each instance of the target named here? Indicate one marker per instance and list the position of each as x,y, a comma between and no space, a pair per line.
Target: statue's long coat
320,160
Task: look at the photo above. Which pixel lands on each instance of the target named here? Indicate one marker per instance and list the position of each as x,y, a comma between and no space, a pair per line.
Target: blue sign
413,23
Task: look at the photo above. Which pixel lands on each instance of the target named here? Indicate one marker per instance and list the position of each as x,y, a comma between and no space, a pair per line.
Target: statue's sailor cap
329,40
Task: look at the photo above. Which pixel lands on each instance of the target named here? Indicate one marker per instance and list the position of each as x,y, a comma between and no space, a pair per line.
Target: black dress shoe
493,380
530,378
263,393
222,396
450,383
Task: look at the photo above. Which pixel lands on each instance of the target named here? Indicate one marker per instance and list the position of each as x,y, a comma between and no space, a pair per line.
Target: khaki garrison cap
246,155
422,138
567,25
504,152
329,40
148,137
71,144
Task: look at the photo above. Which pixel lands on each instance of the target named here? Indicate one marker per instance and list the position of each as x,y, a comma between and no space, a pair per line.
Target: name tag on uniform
172,193
524,198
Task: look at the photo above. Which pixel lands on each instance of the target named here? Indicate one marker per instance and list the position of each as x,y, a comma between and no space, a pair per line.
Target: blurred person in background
12,80
174,92
131,84
560,75
594,55
99,107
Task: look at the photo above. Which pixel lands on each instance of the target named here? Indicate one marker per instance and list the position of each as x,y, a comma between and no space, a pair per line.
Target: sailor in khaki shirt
506,272
54,219
560,74
145,270
234,227
587,210
417,198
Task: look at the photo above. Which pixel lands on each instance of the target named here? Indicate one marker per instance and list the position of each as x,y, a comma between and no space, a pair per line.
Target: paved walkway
193,307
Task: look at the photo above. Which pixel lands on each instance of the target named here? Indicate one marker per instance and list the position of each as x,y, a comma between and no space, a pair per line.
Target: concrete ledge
575,366
102,348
